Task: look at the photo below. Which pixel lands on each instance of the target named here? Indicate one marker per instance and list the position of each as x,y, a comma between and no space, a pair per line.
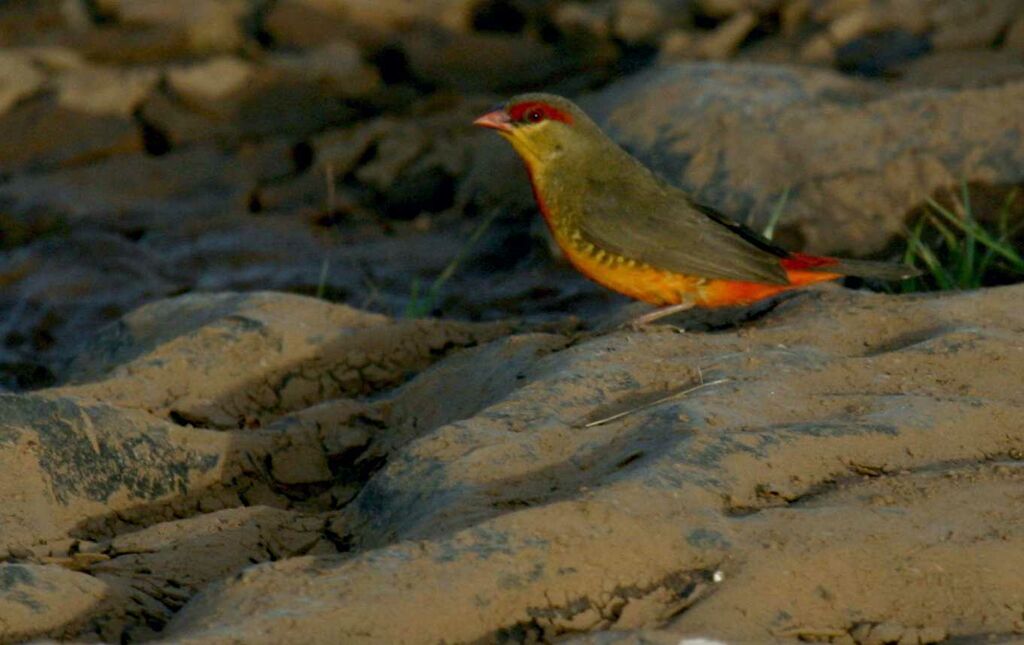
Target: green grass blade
431,295
321,283
935,268
973,228
776,214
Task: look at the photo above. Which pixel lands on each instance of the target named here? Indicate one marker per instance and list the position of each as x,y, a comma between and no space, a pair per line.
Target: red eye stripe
522,111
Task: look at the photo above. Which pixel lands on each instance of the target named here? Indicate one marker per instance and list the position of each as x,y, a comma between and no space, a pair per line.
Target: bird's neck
558,203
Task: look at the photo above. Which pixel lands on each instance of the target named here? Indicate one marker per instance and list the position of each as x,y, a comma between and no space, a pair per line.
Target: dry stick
615,417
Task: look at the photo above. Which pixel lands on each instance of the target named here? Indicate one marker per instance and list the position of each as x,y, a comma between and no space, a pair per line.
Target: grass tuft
956,250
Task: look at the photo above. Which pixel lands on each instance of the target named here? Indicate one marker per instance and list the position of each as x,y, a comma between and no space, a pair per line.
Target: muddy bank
848,465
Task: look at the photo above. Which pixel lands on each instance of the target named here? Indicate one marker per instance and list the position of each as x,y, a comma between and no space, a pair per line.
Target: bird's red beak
498,120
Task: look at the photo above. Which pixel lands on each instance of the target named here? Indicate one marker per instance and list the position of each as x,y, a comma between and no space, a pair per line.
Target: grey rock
286,352
206,25
40,134
105,91
49,601
19,79
71,465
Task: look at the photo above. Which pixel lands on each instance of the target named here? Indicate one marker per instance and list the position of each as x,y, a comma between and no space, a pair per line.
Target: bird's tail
858,268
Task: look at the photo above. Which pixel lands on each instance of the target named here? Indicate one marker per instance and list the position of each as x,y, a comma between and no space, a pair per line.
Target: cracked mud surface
849,471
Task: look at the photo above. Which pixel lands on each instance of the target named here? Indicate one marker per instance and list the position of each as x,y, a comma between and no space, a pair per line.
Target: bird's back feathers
642,217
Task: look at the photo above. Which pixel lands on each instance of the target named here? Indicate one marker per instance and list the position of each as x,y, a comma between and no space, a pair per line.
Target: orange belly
658,287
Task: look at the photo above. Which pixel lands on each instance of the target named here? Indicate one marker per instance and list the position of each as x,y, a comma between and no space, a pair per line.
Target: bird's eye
535,116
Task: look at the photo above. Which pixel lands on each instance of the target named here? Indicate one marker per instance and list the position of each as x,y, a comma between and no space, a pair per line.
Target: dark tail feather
870,269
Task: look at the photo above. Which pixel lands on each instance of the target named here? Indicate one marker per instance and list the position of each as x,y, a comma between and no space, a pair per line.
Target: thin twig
649,404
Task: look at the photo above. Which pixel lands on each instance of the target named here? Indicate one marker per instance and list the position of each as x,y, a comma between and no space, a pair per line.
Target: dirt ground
236,405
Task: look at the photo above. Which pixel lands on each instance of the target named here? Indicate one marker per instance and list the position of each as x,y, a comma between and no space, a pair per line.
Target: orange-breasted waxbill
629,230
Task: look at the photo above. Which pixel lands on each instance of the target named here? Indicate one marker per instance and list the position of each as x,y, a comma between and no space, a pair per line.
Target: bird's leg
659,313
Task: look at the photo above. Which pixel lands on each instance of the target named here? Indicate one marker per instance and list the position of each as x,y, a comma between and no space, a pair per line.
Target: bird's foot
640,322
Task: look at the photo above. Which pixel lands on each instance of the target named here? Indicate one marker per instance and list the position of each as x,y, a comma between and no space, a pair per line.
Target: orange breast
635,280
658,287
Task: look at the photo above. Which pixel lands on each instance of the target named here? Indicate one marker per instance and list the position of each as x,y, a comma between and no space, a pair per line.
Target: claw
638,323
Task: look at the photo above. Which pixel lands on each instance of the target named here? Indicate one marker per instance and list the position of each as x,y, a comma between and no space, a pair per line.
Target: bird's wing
653,222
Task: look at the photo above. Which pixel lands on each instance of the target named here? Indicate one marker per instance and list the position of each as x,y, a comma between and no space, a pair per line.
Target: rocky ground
238,405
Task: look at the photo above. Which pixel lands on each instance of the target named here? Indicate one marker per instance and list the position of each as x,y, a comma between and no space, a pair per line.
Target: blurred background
151,148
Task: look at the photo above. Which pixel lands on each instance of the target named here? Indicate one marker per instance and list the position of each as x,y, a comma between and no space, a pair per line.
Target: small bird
631,231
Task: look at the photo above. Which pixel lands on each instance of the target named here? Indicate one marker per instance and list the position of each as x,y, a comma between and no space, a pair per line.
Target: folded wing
653,222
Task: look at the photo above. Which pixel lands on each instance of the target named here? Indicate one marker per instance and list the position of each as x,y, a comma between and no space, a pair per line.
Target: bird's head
543,128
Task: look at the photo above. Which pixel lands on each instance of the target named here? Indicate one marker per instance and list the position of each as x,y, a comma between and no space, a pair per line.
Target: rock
395,152
823,136
792,16
883,633
307,190
527,492
337,67
343,149
19,79
819,49
411,163
675,46
212,80
41,134
300,464
580,18
73,466
850,26
156,570
910,636
643,21
77,15
48,601
30,23
727,37
65,284
56,58
1014,40
105,91
932,634
286,352
726,8
987,22
392,15
132,190
230,86
207,25
371,23
304,23
823,12
455,60
272,102
134,44
880,53
962,69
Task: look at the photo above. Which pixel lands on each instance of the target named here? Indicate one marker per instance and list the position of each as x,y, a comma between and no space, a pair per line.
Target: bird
627,228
